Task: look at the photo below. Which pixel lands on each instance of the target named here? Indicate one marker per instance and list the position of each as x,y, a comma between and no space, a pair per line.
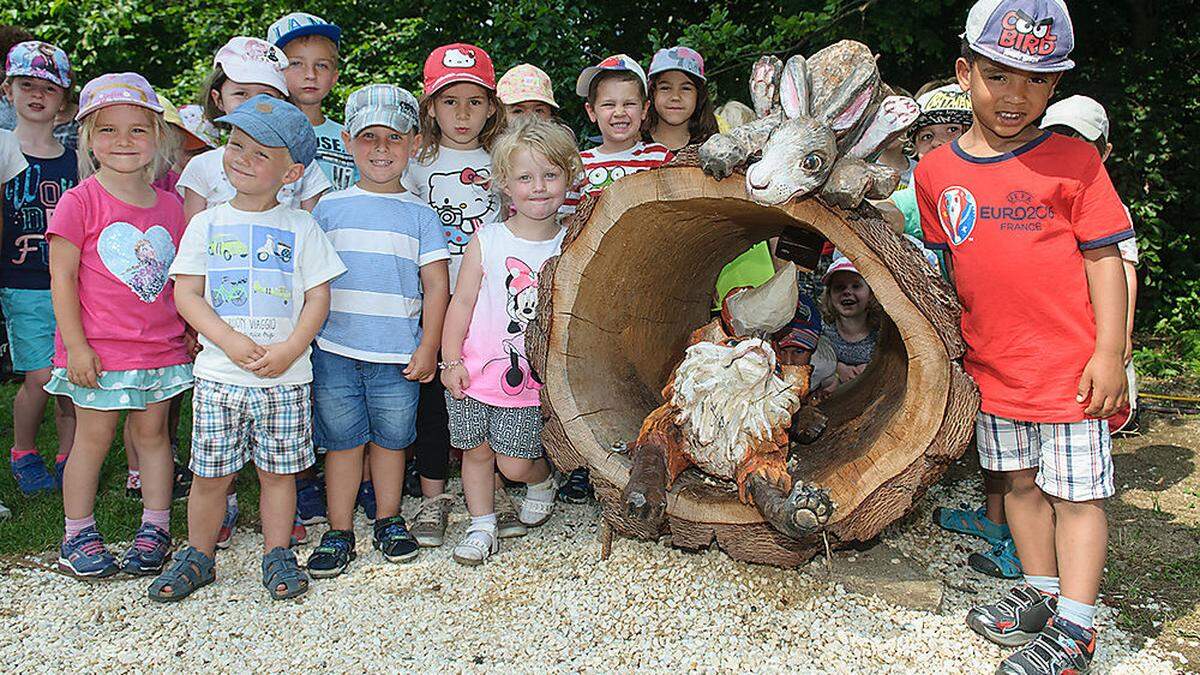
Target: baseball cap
1030,35
383,105
1081,113
612,63
678,58
117,89
525,83
298,24
840,264
39,59
945,105
458,62
252,61
276,124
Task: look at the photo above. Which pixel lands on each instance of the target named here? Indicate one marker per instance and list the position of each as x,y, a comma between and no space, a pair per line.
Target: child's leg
96,429
387,467
29,407
343,473
478,469
993,492
206,508
523,470
64,423
147,429
1031,520
282,446
173,421
433,439
277,507
1081,538
131,455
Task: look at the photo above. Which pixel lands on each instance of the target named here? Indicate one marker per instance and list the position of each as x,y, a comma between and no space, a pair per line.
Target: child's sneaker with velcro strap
148,552
333,555
85,555
1017,619
394,541
1062,648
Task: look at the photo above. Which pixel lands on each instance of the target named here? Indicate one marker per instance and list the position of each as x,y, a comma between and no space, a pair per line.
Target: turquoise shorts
124,389
29,319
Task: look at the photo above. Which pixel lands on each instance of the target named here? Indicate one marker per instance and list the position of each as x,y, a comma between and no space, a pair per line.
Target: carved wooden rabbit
823,119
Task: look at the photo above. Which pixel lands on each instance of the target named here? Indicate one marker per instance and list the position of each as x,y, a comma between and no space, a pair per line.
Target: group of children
365,288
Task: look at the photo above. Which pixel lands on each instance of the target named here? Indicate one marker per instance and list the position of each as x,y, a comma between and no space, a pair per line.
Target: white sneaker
534,512
508,524
481,541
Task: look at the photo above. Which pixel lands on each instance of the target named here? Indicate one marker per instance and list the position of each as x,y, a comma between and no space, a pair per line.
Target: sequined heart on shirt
140,259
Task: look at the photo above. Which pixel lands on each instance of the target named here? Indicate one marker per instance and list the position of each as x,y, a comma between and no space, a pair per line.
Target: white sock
231,501
1047,585
1076,612
541,492
485,523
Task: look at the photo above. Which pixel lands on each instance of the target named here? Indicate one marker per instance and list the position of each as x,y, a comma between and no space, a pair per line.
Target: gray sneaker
429,525
508,525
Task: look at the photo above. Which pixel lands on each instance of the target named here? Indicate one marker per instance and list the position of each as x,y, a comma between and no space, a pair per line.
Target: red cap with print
459,62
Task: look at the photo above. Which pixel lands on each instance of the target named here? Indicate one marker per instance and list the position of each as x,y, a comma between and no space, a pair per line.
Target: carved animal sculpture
822,119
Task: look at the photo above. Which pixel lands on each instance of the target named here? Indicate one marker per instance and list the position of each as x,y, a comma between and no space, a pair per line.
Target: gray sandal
280,567
190,571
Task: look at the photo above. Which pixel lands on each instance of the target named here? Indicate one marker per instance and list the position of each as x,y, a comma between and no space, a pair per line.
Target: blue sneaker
310,502
394,541
1000,562
59,467
577,489
31,475
84,555
148,552
366,499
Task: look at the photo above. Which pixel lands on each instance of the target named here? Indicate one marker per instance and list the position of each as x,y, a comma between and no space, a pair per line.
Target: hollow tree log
636,276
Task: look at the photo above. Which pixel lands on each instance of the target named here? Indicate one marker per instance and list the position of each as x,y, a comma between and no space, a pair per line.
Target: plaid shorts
1073,459
233,425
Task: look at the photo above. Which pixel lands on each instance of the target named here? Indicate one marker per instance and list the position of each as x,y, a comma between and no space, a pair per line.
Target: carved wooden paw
810,509
645,503
720,154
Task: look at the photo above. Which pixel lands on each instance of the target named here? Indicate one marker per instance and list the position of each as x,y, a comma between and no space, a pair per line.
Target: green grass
37,522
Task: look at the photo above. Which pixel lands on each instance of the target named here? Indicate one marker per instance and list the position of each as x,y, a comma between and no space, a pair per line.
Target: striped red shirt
601,169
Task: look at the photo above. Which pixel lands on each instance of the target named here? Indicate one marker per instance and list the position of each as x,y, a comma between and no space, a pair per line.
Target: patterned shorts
1073,459
513,432
233,425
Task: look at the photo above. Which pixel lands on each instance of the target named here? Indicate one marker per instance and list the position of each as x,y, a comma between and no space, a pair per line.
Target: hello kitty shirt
494,351
457,185
126,300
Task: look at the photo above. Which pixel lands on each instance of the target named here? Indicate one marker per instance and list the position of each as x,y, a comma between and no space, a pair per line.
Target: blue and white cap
1031,35
381,105
298,24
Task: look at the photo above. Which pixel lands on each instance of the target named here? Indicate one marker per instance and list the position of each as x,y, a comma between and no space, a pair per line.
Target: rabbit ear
764,84
794,89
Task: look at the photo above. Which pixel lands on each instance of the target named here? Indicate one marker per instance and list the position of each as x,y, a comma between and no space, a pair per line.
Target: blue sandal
970,522
190,571
1000,562
280,567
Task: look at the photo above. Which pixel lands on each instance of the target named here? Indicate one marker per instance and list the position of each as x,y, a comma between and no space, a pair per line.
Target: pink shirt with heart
126,298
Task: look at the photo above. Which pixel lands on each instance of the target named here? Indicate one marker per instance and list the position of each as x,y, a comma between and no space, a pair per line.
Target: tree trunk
636,276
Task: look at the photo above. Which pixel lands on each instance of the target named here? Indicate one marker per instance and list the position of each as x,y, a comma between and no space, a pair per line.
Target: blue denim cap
299,24
381,105
1030,35
276,124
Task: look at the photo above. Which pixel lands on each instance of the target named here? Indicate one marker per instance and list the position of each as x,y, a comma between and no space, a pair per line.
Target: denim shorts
29,319
359,401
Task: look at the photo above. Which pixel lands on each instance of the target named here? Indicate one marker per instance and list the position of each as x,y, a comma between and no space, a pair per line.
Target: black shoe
182,484
366,500
412,481
577,489
333,556
1018,618
394,541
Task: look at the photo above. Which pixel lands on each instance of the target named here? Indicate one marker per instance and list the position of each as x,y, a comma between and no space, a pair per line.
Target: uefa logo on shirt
956,213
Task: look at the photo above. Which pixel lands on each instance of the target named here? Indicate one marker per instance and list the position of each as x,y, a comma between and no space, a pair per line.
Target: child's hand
423,365
1104,378
278,358
845,373
242,350
191,343
83,367
456,380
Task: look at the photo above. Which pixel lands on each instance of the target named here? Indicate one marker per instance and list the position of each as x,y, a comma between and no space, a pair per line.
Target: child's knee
1021,483
36,379
208,486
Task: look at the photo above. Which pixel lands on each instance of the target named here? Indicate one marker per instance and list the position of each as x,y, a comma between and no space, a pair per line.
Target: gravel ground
545,603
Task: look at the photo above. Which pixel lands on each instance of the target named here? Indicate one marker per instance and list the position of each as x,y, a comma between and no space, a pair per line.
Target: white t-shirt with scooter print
256,267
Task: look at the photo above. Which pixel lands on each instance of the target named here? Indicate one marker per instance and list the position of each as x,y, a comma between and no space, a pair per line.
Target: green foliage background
1137,57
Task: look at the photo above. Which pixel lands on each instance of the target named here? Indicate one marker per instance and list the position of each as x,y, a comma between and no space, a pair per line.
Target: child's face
850,293
312,69
461,111
231,94
537,187
124,138
618,110
542,110
675,97
35,100
935,136
257,169
381,153
1004,100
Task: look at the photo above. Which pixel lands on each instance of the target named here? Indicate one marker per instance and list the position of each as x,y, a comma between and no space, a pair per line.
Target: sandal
974,523
534,512
1000,562
280,567
190,571
481,541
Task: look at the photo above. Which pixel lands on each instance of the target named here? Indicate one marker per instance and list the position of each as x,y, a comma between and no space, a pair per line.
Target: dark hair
1101,142
431,133
966,52
702,123
11,36
616,76
211,83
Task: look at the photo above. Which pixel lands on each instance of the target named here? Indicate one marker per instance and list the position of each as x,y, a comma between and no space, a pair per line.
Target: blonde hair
551,140
829,311
431,133
163,155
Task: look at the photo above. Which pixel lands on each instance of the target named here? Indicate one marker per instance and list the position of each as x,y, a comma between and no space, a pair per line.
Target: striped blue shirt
384,240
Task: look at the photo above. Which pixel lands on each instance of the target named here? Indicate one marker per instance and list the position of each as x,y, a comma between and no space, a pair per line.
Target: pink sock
160,519
60,458
77,525
16,454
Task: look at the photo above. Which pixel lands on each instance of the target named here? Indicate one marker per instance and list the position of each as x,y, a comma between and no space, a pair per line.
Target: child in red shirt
1030,222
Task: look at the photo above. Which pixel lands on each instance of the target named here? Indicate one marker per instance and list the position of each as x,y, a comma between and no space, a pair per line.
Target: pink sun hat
117,89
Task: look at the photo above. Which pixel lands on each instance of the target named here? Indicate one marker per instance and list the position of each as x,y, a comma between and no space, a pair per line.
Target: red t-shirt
1015,227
